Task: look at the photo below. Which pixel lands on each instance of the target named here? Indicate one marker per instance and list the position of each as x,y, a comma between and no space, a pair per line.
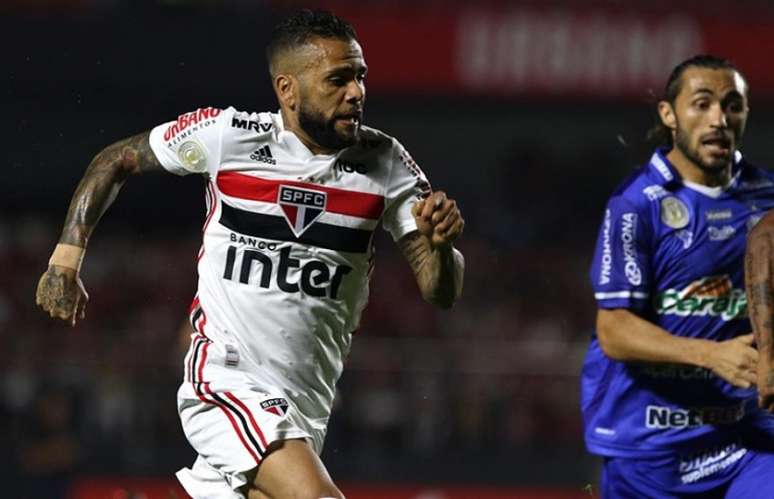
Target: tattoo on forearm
760,292
435,271
101,183
415,251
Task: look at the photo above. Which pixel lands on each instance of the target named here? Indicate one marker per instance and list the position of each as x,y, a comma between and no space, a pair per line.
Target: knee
334,494
319,491
304,491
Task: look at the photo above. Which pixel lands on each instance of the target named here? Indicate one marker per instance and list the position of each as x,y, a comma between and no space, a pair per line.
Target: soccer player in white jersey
293,201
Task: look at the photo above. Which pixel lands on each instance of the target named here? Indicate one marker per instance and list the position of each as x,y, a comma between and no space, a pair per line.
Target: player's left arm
60,291
437,265
759,281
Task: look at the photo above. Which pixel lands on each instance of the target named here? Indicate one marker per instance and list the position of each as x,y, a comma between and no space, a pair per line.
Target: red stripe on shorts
230,418
249,415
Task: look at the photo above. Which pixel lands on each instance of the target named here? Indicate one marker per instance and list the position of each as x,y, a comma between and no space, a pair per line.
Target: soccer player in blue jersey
668,385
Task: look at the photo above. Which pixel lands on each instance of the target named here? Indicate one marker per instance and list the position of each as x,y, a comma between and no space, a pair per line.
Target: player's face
332,93
710,115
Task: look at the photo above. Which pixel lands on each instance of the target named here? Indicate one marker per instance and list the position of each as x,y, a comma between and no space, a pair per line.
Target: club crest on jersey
674,213
192,156
278,406
301,207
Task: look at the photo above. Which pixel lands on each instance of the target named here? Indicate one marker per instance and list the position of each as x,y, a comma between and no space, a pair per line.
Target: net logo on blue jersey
301,207
713,296
673,417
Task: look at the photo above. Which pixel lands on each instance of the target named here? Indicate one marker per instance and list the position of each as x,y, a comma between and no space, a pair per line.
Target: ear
667,114
286,87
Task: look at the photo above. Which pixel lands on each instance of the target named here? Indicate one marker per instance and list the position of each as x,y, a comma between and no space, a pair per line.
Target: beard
323,131
683,144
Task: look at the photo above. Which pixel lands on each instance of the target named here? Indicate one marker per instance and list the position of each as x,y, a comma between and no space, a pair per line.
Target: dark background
484,394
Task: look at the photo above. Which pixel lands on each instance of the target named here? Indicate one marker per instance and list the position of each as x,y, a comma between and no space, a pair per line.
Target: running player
293,201
668,393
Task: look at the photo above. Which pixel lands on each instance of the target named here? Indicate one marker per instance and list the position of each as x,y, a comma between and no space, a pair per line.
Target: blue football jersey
673,254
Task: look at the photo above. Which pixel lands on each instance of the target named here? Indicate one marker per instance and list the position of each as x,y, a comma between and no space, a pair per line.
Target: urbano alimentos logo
713,296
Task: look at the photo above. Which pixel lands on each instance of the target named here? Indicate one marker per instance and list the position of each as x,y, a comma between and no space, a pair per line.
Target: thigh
291,468
233,427
660,478
621,479
755,479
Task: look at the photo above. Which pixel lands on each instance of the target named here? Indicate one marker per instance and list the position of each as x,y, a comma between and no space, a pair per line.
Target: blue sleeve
620,271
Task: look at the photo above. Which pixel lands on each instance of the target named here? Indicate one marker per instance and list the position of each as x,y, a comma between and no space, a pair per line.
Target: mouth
717,144
350,119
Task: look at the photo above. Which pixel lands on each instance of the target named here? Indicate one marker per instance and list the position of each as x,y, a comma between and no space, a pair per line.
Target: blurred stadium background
528,113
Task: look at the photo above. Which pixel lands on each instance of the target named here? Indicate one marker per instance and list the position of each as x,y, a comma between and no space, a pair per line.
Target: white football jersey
284,266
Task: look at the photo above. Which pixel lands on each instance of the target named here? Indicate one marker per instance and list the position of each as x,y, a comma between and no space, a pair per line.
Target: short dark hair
661,134
297,29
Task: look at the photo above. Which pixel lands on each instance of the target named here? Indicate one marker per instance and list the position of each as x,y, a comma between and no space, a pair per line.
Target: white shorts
230,419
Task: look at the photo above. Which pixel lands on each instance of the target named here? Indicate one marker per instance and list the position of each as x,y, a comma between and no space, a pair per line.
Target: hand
766,386
735,360
61,293
438,219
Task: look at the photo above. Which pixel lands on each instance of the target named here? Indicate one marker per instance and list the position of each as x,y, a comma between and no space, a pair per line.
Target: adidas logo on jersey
263,155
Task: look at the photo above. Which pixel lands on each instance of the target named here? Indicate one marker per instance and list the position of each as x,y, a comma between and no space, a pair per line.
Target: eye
702,104
337,81
361,77
734,107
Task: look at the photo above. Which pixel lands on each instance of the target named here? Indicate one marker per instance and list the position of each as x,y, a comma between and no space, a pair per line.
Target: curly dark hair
297,29
660,134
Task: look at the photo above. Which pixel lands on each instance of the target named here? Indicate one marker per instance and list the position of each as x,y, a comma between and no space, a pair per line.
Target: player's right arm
60,291
626,337
621,276
759,281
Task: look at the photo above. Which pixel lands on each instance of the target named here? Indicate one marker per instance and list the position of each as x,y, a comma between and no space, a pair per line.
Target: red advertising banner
543,52
139,488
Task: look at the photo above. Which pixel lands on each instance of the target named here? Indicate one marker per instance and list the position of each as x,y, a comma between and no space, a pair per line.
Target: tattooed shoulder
137,154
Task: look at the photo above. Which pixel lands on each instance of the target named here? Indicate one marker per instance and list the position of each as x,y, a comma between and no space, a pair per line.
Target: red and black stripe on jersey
268,226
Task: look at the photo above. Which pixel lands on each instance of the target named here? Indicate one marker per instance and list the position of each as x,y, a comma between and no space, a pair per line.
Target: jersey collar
664,173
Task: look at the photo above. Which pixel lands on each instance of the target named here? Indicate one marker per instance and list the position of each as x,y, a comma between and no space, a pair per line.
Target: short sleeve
407,184
191,143
620,271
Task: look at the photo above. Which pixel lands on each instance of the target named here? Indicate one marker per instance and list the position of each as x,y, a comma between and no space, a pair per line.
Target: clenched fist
61,293
735,360
438,219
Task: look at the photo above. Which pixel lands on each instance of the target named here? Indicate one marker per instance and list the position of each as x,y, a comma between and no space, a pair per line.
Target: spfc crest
278,406
301,207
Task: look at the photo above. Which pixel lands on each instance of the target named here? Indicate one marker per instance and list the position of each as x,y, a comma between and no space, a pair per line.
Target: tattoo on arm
415,251
759,280
438,272
99,186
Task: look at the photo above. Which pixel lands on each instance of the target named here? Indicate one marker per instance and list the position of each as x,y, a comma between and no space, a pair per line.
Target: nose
718,118
355,92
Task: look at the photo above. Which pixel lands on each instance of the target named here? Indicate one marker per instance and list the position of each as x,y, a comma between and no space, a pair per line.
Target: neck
692,172
290,122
